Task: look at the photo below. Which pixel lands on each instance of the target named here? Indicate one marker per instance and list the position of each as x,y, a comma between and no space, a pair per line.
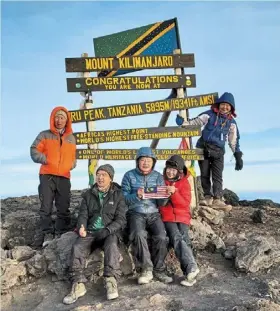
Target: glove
179,120
102,234
238,160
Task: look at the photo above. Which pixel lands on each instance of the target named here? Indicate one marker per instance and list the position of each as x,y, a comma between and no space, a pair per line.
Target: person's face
171,172
145,164
224,108
103,179
60,122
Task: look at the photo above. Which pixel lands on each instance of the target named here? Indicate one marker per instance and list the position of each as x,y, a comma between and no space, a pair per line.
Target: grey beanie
107,168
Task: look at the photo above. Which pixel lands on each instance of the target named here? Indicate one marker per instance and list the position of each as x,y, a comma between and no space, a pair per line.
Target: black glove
238,160
102,234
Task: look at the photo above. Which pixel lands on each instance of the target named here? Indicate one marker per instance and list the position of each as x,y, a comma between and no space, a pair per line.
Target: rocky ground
238,254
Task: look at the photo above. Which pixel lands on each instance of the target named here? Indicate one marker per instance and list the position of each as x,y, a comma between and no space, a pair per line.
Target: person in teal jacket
143,217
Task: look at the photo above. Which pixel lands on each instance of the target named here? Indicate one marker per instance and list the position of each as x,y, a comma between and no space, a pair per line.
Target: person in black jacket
102,217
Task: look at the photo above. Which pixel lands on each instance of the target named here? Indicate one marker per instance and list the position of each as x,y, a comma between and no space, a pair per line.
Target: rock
212,216
257,253
12,273
259,216
157,299
58,254
202,235
230,197
230,252
274,290
21,253
259,203
36,266
4,238
58,257
21,226
264,305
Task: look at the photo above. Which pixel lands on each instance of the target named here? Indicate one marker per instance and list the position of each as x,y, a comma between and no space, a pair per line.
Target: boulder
203,236
211,215
230,197
21,253
257,253
36,266
12,273
259,216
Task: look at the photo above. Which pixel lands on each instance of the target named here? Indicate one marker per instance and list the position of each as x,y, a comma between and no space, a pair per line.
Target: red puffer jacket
178,206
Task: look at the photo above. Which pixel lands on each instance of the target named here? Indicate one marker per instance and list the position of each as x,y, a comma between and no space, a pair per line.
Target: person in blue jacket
219,127
143,217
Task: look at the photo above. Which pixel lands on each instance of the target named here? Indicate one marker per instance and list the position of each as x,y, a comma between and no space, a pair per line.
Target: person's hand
82,232
238,160
179,120
170,189
140,193
102,234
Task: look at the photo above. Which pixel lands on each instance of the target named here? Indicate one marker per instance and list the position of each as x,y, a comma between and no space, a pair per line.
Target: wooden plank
130,154
125,83
109,136
91,64
130,110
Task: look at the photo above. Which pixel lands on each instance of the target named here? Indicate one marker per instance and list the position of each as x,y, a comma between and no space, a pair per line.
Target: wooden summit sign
130,154
88,64
130,110
96,137
130,83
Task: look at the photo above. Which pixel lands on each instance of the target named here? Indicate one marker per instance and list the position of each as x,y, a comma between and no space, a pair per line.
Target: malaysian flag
158,192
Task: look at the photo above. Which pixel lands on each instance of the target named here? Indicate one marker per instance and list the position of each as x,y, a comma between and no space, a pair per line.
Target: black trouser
82,249
54,188
211,167
178,234
139,224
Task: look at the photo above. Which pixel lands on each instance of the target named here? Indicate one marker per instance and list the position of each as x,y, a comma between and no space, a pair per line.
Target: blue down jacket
134,179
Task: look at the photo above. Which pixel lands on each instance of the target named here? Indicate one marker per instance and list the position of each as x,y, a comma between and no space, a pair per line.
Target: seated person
176,216
100,221
143,215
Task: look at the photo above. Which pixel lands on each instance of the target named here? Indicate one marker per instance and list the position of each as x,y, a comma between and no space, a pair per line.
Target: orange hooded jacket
56,152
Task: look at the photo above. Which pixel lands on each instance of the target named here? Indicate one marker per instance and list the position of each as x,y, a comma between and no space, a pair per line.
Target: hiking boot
207,201
111,288
187,283
48,237
163,277
145,277
221,205
78,290
192,275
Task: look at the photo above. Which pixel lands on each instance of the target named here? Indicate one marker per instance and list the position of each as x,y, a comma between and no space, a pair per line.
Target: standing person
100,222
143,217
176,216
55,150
219,127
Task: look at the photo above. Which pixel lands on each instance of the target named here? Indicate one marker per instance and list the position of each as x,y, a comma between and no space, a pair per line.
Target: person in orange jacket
55,150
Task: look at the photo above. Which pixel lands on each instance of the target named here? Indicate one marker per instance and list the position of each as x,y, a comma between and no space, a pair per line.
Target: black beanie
176,161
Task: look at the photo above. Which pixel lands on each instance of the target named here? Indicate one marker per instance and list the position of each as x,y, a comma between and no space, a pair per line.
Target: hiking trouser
82,249
139,224
178,234
54,188
212,168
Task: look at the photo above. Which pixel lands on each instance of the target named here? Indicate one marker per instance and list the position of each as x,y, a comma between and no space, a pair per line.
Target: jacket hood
146,152
68,127
225,98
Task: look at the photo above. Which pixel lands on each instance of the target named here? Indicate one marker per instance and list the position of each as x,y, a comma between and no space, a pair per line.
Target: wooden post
88,104
185,115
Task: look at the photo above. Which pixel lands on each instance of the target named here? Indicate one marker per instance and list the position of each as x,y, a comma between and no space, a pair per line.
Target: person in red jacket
176,216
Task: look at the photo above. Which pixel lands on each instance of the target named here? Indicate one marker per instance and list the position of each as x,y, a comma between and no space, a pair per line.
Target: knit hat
108,169
62,113
177,162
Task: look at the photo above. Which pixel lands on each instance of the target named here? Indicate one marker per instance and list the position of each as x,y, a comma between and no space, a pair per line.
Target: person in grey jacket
143,217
